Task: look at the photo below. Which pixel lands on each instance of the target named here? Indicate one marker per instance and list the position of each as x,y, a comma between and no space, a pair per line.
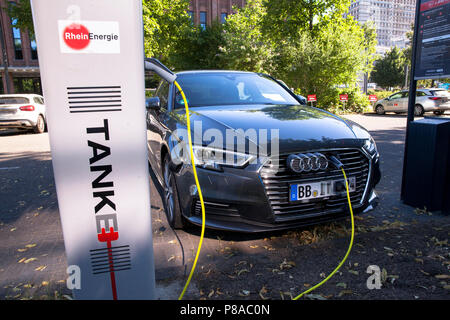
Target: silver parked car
435,100
23,111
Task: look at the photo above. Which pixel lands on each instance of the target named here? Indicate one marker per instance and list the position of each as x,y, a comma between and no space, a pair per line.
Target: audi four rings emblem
306,162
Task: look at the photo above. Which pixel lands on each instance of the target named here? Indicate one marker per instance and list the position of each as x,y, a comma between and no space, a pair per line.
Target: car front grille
277,182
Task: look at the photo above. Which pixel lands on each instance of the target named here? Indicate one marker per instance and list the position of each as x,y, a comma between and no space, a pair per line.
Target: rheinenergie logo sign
89,36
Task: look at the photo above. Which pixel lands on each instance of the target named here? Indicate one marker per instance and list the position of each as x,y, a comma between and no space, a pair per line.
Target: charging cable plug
335,161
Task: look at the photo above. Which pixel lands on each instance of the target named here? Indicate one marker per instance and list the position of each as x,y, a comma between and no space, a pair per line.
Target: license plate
322,189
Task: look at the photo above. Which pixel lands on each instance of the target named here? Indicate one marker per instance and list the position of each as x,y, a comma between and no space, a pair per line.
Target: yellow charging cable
349,248
198,188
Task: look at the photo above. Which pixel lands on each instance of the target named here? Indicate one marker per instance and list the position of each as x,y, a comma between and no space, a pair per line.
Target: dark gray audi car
265,161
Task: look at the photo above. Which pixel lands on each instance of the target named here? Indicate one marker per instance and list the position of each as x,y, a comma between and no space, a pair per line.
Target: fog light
193,190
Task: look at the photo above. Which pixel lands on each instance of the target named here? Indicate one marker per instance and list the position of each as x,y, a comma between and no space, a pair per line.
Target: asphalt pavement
409,245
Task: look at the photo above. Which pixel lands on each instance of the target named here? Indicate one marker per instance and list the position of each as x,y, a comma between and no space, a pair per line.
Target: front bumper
238,200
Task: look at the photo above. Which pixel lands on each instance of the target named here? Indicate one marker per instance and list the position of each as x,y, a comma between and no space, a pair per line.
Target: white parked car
23,111
435,100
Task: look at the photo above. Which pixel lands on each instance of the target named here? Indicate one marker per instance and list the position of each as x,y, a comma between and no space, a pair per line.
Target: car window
405,94
397,95
14,100
163,94
420,94
440,93
37,100
222,89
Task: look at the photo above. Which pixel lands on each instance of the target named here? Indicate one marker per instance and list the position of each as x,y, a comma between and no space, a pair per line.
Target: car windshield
13,100
220,89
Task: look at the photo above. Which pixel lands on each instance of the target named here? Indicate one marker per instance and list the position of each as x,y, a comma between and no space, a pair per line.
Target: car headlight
370,146
212,158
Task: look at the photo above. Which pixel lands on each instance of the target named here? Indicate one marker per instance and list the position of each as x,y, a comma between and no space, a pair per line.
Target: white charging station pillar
91,59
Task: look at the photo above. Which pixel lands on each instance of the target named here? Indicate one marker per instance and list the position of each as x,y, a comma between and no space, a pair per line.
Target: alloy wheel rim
417,111
168,191
379,110
41,125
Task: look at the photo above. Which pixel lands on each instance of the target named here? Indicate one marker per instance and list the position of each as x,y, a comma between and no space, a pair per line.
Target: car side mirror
302,99
153,103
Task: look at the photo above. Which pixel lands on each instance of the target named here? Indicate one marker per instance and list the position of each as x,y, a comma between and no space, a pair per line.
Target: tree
370,43
389,71
21,11
245,46
164,23
286,18
320,62
198,48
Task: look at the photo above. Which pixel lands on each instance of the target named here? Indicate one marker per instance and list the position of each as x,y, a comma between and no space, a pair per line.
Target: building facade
204,12
19,67
392,18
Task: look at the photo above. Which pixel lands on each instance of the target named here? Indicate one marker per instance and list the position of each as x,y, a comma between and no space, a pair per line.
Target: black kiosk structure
426,166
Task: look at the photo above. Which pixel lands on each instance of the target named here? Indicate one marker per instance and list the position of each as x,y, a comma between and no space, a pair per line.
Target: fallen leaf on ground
40,268
262,292
442,276
244,293
287,264
315,297
242,271
343,292
29,260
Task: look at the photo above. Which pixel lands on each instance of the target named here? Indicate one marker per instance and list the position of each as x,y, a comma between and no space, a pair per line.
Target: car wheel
418,110
40,125
379,109
438,112
171,203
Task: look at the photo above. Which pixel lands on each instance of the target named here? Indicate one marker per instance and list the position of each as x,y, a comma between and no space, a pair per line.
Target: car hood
298,127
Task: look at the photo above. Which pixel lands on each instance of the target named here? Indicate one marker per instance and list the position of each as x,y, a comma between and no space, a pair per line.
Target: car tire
40,125
170,193
438,112
418,110
379,109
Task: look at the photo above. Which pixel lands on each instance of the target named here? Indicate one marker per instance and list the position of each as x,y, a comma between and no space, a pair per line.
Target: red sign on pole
312,97
373,98
343,97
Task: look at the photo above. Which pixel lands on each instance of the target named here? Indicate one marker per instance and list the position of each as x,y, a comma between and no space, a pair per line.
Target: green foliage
357,101
198,48
319,63
380,94
22,12
287,18
389,71
245,47
164,22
